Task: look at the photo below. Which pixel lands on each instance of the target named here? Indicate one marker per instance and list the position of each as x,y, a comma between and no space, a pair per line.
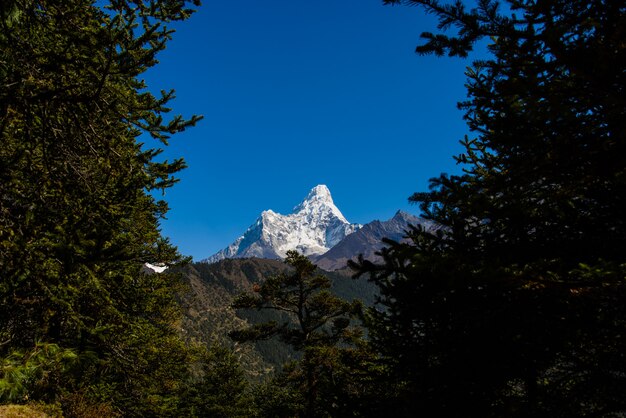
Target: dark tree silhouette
516,308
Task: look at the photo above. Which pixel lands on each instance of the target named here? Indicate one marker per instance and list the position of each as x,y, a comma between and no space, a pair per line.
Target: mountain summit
314,226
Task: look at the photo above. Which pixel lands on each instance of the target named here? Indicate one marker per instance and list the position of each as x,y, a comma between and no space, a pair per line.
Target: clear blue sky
296,94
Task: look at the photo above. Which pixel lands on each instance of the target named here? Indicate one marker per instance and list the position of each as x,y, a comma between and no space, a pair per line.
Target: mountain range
318,229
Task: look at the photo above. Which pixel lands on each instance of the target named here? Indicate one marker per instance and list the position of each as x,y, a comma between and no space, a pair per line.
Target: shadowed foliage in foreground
517,306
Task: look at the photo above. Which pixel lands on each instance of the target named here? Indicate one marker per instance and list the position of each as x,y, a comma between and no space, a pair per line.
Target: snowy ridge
314,226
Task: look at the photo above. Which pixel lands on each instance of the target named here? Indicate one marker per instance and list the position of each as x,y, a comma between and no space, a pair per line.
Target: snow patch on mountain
155,268
314,226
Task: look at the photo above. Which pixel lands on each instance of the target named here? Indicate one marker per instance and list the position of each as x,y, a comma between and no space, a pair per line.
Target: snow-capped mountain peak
314,226
318,195
317,202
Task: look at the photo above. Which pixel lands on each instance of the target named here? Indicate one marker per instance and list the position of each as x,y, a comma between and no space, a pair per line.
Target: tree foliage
517,307
77,214
318,324
218,388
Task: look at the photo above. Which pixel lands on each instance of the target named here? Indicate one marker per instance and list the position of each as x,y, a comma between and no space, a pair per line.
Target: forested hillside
209,316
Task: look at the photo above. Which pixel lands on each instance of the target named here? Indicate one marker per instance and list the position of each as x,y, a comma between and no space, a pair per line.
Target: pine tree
218,388
317,324
77,214
517,307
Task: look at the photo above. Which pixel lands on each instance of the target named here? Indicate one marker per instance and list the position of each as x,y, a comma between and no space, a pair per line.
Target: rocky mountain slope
368,240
